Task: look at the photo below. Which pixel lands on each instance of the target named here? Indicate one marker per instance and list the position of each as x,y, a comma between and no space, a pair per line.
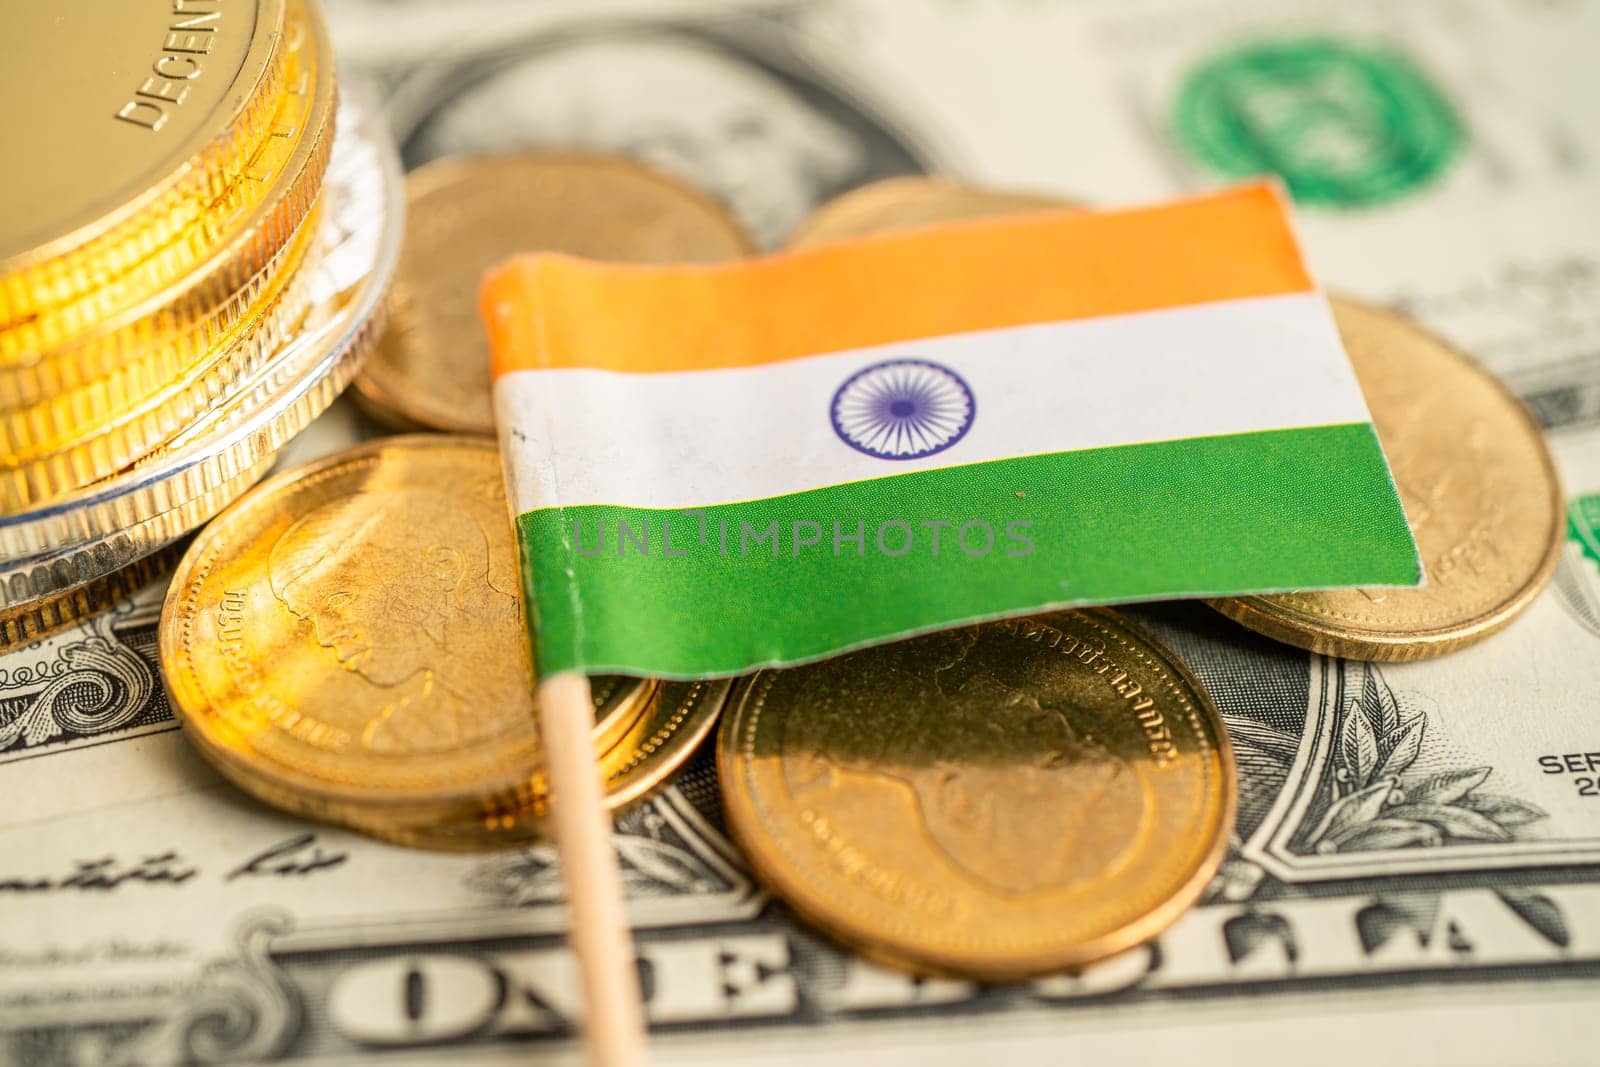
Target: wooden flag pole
614,1012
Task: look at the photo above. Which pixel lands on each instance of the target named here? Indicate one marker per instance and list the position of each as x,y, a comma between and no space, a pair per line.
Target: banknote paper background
149,913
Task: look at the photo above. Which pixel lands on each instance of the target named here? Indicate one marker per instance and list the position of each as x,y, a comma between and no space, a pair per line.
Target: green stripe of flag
787,581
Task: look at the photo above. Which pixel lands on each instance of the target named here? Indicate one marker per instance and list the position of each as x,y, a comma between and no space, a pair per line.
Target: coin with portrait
352,631
995,801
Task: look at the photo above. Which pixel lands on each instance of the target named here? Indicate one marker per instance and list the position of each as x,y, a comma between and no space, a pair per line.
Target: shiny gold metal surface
64,391
108,425
619,705
351,632
250,226
110,170
165,368
51,548
996,801
465,215
1478,486
663,740
900,203
657,742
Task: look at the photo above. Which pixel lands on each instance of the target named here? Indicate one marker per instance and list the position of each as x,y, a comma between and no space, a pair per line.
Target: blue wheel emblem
902,409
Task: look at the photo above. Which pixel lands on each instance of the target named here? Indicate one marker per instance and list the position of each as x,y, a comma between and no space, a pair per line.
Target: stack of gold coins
346,642
159,252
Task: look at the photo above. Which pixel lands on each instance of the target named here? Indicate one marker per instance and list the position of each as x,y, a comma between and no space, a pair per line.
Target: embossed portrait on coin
1011,785
770,144
397,587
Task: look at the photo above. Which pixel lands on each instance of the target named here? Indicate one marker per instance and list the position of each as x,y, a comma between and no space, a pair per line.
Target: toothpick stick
614,1018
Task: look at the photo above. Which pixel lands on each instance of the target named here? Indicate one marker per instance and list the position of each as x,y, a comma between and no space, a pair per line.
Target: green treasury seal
1343,123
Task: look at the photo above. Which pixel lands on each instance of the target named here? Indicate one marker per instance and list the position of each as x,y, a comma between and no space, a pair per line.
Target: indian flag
714,468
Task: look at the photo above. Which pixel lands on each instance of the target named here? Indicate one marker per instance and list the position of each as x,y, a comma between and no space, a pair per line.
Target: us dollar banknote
151,914
1443,153
1413,876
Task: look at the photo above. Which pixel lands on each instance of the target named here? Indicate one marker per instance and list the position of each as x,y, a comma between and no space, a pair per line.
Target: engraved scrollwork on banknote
1371,786
1379,798
84,688
241,1009
1345,775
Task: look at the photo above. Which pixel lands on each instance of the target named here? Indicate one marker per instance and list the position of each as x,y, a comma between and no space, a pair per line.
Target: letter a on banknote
716,468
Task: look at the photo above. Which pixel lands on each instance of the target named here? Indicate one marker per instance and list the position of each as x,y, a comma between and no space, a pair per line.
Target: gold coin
84,435
619,705
664,740
165,107
351,631
996,801
651,749
431,369
901,203
1479,489
249,228
218,251
194,475
79,436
